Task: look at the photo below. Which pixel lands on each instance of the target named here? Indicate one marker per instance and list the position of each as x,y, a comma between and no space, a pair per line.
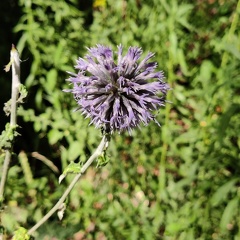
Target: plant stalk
101,147
15,62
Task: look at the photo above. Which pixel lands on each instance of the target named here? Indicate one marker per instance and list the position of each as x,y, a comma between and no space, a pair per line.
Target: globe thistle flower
118,95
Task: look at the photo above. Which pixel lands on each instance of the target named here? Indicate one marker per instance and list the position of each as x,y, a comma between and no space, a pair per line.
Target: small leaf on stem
71,168
21,234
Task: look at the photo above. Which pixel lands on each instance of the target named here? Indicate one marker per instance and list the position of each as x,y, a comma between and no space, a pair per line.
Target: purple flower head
118,95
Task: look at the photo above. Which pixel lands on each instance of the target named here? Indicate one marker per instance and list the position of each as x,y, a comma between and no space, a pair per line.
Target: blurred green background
180,181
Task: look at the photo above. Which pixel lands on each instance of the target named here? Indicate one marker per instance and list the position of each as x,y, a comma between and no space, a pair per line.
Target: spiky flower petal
118,95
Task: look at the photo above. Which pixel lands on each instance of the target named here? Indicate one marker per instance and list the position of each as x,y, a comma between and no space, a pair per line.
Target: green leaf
222,192
206,71
51,80
173,46
71,168
54,136
74,151
230,211
21,234
226,118
58,58
7,136
39,98
23,93
102,160
182,62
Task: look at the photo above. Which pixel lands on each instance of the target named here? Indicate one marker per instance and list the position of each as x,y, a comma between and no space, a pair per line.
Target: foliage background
180,181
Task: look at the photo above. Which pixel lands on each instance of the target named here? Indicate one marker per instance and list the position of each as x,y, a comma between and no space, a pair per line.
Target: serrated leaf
102,160
7,136
23,93
21,234
71,168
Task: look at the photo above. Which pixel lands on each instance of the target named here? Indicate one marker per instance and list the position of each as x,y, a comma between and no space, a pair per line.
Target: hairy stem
102,146
15,62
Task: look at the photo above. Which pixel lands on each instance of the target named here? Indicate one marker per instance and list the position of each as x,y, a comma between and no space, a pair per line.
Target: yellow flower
99,3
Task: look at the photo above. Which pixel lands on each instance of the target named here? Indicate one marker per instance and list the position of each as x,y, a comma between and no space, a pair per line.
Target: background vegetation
180,181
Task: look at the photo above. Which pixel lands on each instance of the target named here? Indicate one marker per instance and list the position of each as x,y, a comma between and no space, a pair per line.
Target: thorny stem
101,147
15,62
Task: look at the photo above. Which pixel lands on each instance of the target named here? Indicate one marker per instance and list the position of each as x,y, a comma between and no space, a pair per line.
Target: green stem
162,172
102,146
15,61
165,130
